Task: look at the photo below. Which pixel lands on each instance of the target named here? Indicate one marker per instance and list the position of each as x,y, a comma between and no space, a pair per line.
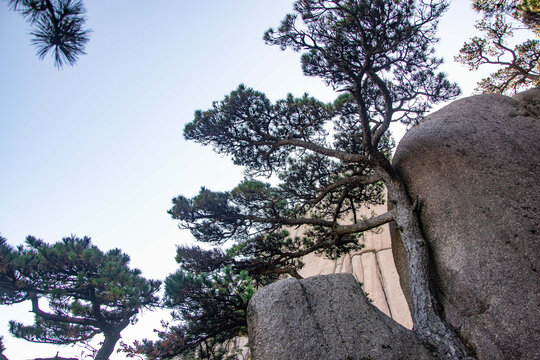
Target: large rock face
325,317
373,266
474,165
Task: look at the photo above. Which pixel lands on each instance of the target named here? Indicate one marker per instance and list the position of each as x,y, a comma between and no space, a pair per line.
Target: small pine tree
85,291
211,308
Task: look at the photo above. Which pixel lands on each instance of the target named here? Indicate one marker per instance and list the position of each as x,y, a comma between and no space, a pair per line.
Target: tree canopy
210,308
326,160
519,65
76,291
58,27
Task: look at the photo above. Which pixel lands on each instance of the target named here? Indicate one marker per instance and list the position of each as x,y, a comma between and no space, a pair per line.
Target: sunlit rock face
373,266
325,317
475,167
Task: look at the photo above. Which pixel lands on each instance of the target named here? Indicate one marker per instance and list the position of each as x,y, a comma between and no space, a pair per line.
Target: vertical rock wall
373,266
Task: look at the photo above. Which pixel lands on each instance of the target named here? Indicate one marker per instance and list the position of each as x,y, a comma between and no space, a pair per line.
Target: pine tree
519,65
76,291
2,349
210,307
58,27
379,55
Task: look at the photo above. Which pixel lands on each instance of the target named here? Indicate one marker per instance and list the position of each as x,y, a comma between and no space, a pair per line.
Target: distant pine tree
75,289
2,349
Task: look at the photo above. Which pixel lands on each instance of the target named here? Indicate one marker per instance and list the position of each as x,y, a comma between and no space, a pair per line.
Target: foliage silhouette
75,289
329,159
519,65
58,28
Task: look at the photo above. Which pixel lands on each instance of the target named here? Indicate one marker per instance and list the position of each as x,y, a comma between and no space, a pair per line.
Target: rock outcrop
325,317
373,266
475,167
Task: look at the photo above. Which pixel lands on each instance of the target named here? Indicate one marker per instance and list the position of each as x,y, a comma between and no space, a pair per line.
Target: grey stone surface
475,167
377,271
325,317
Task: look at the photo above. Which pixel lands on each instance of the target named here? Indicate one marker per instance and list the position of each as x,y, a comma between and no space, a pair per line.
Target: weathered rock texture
474,166
325,317
373,266
238,348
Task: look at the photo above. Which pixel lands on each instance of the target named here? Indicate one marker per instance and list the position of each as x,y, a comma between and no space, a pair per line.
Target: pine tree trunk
108,345
428,325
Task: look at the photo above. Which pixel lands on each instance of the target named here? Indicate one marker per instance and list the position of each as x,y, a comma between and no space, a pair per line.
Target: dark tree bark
108,345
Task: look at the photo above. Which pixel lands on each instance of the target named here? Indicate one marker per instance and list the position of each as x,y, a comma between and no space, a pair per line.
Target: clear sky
97,149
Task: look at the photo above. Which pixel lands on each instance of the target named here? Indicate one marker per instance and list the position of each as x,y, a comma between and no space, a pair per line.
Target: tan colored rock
339,265
372,282
358,270
347,265
329,268
399,309
316,265
239,348
374,278
380,238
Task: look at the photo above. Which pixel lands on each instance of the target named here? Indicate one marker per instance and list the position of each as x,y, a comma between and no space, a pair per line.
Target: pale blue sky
97,149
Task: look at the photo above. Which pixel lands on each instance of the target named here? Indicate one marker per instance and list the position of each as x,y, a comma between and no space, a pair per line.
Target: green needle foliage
211,309
76,291
213,305
58,27
2,348
328,161
519,65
